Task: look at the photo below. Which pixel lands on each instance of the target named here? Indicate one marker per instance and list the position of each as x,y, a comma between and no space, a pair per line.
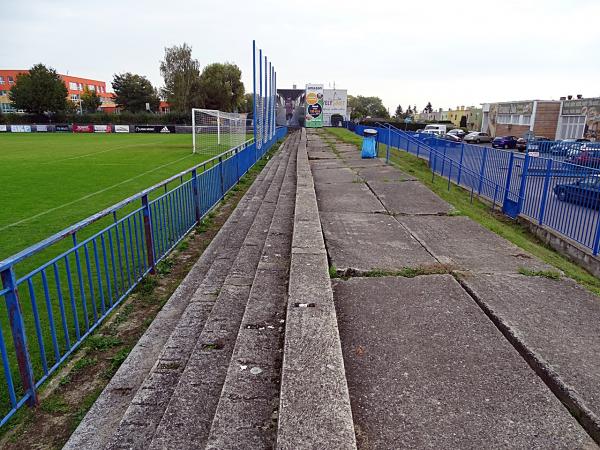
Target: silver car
477,137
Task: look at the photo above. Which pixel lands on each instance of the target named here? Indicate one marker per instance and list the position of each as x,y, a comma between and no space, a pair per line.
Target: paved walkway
430,337
442,360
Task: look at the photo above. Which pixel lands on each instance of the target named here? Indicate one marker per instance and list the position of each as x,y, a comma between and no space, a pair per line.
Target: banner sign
41,128
102,129
581,107
121,128
314,106
20,128
515,108
83,128
62,128
154,128
335,101
3,128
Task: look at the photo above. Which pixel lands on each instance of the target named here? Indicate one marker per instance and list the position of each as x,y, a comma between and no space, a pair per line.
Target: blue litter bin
369,145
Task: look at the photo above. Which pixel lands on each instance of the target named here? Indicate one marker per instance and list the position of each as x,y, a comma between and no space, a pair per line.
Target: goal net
214,132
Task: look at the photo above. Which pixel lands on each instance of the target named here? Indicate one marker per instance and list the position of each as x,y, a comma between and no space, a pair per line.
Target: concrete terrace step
246,416
99,425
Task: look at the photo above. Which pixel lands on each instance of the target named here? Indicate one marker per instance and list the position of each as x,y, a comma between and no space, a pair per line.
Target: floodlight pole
254,90
218,127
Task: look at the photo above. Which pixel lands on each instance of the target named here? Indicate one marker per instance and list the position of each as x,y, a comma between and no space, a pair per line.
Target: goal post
214,131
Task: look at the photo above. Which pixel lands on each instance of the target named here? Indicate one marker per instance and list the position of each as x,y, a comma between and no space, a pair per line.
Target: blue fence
57,292
554,192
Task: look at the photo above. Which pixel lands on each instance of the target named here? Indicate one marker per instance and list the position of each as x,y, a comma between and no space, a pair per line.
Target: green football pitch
51,181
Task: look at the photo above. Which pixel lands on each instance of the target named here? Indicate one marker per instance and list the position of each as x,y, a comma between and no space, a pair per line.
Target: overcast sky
406,52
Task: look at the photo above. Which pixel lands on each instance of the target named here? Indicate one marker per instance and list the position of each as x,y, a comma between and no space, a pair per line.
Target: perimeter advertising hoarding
20,128
83,128
3,128
42,128
121,128
154,128
102,129
314,106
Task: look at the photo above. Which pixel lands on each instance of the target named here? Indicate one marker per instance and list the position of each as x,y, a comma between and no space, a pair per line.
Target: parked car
437,128
567,147
458,132
477,137
450,137
586,157
585,191
533,143
505,142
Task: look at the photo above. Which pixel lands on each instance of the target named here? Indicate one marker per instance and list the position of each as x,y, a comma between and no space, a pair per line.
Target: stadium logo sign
121,128
62,128
165,130
41,128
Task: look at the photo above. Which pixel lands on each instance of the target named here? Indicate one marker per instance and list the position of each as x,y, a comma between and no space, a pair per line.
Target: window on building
525,119
72,86
10,80
572,127
91,87
1,80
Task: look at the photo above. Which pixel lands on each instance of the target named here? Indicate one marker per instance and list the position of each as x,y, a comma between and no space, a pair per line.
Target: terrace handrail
69,231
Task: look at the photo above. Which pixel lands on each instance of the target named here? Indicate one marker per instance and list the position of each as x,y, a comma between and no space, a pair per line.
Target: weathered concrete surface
347,197
327,164
466,245
410,197
321,155
96,429
365,242
427,369
557,323
314,408
358,162
385,174
342,175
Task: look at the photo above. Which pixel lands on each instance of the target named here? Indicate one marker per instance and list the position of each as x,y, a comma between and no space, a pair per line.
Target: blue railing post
523,182
545,191
389,143
462,154
222,176
196,193
148,234
482,170
508,177
18,334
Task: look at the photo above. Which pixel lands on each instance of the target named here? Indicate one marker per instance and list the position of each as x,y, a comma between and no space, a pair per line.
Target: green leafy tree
133,91
39,91
399,112
221,87
90,102
182,78
428,108
247,103
409,112
367,107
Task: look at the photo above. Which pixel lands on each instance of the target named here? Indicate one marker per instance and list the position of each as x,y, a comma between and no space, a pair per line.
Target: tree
221,87
409,111
367,107
399,112
182,78
247,103
132,92
428,108
90,102
39,91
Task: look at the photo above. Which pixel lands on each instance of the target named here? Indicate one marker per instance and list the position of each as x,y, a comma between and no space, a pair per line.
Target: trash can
369,145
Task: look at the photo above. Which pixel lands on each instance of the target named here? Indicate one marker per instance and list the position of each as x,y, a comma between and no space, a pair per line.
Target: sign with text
3,128
83,128
41,128
154,128
335,102
20,128
62,128
121,128
102,129
314,106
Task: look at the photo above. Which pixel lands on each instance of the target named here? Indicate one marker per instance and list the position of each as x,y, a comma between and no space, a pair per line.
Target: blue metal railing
559,194
53,307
